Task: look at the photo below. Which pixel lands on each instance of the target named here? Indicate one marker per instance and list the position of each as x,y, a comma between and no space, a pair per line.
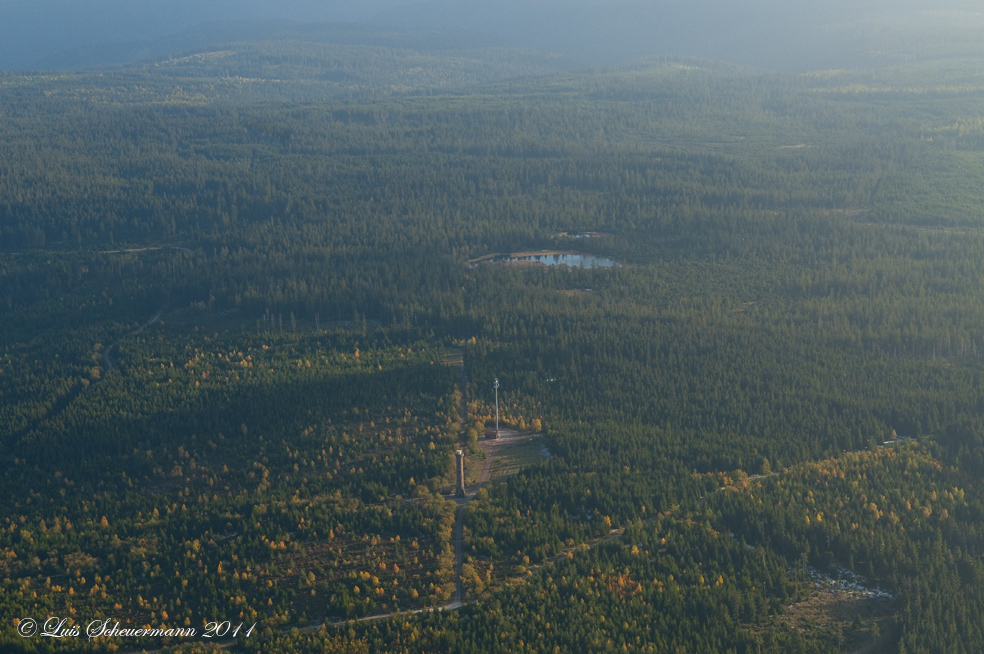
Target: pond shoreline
534,257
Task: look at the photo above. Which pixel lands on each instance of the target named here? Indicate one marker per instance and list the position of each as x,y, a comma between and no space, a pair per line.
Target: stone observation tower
460,468
496,408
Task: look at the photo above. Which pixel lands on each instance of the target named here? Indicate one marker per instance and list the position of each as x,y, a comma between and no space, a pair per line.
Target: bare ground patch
512,459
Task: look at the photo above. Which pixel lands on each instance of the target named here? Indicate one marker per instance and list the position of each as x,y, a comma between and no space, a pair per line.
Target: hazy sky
36,33
33,30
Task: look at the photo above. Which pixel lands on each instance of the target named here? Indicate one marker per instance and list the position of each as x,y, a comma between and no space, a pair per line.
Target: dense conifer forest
233,287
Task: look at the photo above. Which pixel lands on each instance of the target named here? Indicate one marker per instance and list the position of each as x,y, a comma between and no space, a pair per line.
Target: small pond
581,234
571,260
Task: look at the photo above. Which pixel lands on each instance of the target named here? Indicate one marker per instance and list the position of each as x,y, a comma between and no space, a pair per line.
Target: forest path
507,438
155,318
453,357
458,357
63,403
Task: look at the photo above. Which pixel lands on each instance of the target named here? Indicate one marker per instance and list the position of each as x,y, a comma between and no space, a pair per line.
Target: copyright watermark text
55,627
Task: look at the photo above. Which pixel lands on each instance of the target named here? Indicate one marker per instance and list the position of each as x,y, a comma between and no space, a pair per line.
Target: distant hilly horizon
67,34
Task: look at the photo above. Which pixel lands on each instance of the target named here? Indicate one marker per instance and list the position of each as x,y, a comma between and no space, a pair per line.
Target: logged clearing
512,459
862,625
